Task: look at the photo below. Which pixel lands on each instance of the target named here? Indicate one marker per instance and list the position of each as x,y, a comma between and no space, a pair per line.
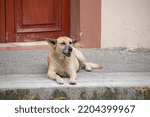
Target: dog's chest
64,67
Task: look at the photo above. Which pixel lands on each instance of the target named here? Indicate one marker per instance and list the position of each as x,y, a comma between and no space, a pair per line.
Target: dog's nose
70,49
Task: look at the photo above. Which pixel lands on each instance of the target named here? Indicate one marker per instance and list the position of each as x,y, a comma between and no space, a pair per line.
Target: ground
125,75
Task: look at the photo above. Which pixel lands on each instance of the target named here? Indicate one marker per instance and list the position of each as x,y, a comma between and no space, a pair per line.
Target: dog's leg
82,60
73,76
52,75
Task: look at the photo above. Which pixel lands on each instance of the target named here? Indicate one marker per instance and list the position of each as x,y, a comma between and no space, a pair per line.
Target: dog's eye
63,43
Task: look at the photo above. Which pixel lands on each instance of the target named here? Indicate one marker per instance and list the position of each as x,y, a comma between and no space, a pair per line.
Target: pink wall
86,22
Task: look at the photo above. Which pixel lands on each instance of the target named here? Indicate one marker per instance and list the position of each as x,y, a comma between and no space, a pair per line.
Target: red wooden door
34,20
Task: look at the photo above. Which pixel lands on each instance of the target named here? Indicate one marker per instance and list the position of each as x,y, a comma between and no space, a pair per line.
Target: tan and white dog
64,60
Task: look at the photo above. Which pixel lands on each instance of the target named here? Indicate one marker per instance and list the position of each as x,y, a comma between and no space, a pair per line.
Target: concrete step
35,62
125,75
90,85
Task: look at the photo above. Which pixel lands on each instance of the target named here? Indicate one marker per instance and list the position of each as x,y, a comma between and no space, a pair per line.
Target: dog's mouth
67,51
67,54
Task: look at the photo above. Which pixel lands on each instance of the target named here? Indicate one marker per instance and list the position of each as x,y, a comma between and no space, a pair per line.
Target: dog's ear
75,41
52,42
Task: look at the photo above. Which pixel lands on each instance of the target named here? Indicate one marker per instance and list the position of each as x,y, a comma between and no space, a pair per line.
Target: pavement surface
125,75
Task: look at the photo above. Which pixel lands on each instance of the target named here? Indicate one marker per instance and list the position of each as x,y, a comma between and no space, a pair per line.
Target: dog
65,61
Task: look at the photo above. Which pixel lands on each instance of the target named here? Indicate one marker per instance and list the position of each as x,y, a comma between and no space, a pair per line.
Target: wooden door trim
66,18
10,22
2,21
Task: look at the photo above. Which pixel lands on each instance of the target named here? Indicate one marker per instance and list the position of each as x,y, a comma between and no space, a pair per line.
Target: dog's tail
94,65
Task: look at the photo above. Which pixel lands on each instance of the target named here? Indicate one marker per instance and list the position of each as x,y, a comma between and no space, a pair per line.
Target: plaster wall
125,23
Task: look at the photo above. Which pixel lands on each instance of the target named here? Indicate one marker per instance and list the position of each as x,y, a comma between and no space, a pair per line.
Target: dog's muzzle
67,51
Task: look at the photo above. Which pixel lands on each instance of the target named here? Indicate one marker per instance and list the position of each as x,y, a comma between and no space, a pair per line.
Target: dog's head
63,45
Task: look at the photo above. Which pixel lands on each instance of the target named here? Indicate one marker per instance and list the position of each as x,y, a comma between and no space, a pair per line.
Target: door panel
41,12
47,16
33,20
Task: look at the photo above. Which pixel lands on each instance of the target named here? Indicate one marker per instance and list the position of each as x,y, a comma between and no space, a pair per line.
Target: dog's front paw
60,81
72,82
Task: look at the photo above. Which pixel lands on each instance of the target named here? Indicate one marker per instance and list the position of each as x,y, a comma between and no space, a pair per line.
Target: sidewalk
125,75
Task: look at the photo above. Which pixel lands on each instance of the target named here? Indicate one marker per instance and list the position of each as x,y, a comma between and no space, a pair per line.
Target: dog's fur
65,60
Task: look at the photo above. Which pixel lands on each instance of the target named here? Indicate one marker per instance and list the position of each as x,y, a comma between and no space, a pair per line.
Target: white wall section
125,23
